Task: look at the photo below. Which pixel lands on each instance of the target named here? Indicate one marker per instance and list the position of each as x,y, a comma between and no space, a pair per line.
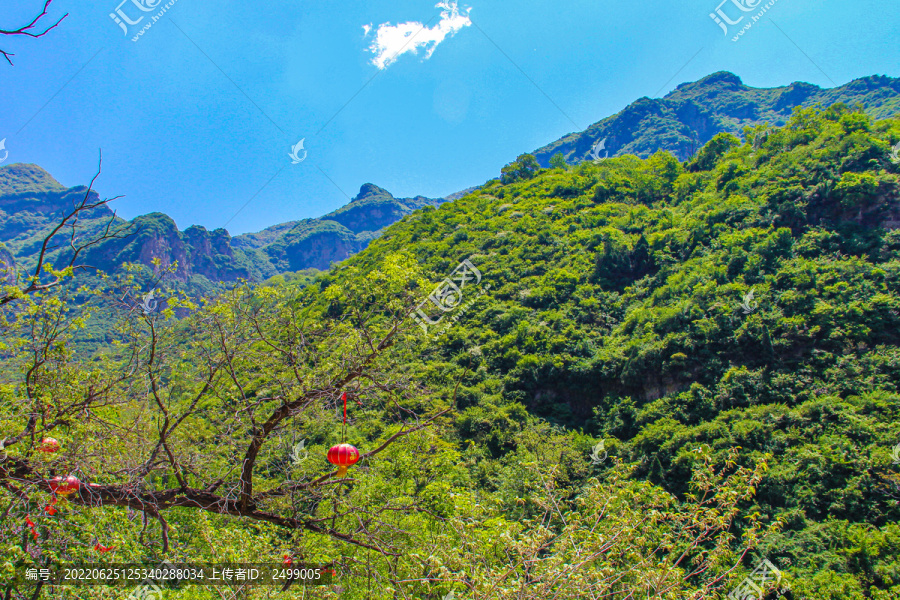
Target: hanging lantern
343,456
102,549
48,445
65,486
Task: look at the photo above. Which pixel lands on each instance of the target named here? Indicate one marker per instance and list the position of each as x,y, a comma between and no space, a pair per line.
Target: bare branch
27,29
71,220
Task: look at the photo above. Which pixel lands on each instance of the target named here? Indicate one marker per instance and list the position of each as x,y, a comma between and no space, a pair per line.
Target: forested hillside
748,298
727,327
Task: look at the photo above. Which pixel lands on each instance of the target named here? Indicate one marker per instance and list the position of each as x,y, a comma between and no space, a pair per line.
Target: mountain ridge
694,112
747,300
32,201
681,122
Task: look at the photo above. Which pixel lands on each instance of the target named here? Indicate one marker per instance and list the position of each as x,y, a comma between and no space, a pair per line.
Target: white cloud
367,29
393,40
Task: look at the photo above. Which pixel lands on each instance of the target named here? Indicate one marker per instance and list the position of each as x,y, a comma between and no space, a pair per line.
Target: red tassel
30,524
49,508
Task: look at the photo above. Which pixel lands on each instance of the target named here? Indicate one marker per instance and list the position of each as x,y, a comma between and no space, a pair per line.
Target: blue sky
197,118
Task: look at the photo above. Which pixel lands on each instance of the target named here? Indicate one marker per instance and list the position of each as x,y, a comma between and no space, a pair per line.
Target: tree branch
71,219
26,30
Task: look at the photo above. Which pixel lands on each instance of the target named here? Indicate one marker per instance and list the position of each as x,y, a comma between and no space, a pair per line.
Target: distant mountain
316,243
694,113
375,208
32,202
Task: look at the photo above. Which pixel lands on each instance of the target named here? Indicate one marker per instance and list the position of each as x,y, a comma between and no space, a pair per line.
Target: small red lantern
48,445
102,549
343,455
65,486
288,560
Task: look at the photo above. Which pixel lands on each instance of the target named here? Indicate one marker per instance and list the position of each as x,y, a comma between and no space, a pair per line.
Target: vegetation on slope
747,298
736,426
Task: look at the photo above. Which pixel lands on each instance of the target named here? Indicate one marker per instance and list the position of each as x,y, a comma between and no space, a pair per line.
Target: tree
558,161
524,167
26,30
235,378
615,538
712,152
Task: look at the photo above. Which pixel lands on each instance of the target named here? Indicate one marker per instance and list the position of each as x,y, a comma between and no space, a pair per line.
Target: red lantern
102,549
48,445
288,560
66,486
343,455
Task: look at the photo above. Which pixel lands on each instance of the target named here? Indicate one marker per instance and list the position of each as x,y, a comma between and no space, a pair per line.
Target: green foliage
712,152
728,328
727,303
558,161
525,167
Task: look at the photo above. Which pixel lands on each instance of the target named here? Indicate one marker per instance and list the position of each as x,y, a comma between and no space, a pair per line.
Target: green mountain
749,298
694,113
375,208
32,203
317,243
634,378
